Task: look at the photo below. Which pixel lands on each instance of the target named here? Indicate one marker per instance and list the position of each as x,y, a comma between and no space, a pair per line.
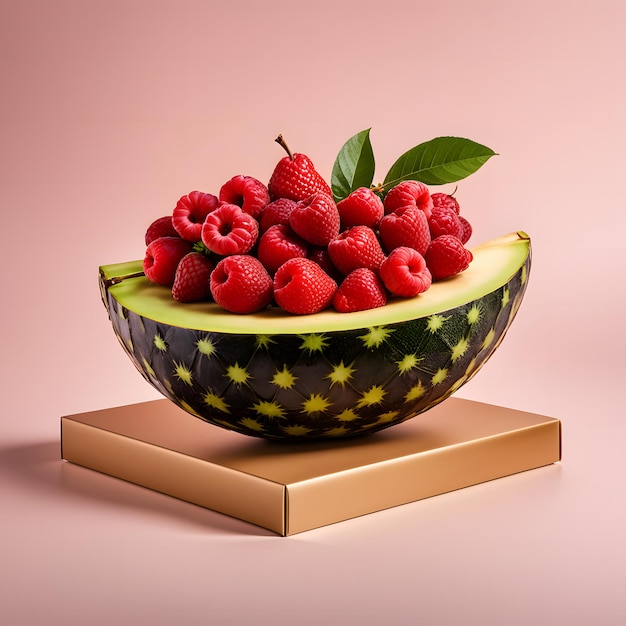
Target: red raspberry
409,193
356,247
407,226
276,212
246,192
295,177
360,290
361,207
161,227
279,244
444,221
191,282
302,287
446,256
316,219
322,258
404,272
162,258
190,212
445,199
467,230
240,284
229,230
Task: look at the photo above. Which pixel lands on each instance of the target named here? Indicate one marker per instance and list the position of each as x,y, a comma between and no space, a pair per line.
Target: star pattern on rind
340,374
284,378
159,343
314,342
408,363
183,373
237,374
206,346
271,410
373,396
376,335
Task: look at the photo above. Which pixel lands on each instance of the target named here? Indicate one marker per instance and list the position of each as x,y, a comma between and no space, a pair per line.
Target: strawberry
409,193
190,212
404,272
295,177
302,287
229,230
360,290
276,212
444,221
162,258
406,226
279,244
191,282
361,207
161,227
356,247
240,284
316,219
246,192
446,256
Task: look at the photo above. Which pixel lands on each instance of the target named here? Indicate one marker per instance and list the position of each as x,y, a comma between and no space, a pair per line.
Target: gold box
289,488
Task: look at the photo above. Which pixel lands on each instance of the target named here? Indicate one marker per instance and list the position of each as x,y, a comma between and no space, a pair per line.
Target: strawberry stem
283,144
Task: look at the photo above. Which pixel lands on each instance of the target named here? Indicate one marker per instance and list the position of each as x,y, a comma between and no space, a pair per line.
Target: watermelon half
327,375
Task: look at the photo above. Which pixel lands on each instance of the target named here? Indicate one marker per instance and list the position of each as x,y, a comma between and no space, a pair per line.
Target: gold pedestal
291,487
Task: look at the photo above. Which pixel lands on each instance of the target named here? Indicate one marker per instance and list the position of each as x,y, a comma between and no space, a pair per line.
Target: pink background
111,110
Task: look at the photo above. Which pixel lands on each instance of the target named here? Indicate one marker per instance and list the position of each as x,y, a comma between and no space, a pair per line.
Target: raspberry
316,219
279,244
276,212
161,227
360,290
361,207
409,193
240,284
444,221
190,212
302,287
295,177
229,230
467,230
445,199
162,258
446,256
322,258
191,282
451,203
356,247
407,226
246,192
404,272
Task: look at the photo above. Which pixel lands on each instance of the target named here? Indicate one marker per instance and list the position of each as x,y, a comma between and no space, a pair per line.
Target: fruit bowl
322,376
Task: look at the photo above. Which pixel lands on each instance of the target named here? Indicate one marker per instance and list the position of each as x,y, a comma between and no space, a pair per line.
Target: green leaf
354,166
439,161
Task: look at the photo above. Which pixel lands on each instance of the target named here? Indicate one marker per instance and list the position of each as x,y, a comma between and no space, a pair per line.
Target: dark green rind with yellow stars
322,376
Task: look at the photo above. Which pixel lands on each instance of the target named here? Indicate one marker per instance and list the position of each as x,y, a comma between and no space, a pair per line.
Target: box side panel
189,478
371,488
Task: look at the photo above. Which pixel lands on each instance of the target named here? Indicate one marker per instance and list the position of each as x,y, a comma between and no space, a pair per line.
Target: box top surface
163,424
